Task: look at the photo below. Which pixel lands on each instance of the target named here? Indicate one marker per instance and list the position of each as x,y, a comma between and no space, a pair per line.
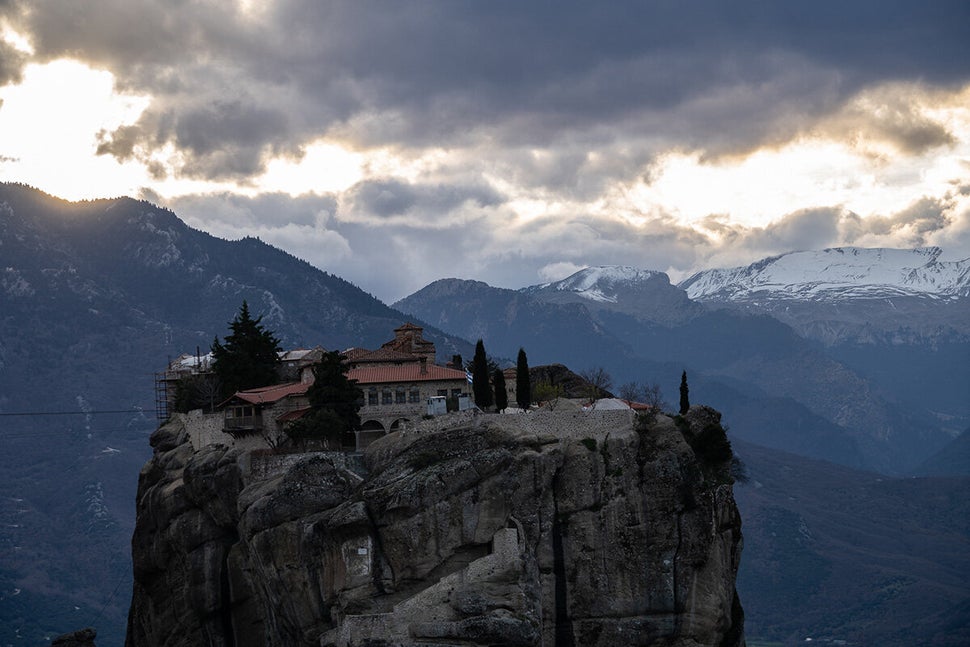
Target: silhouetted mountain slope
94,296
952,460
843,554
508,319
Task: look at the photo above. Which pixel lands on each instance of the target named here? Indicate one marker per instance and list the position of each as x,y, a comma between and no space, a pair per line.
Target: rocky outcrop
80,638
539,529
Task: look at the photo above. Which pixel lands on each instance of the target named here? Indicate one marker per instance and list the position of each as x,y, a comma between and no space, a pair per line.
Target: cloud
232,89
510,142
404,254
427,205
558,271
914,226
228,211
803,229
12,62
895,114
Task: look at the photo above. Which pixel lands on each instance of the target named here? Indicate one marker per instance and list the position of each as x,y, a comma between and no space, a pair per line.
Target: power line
75,413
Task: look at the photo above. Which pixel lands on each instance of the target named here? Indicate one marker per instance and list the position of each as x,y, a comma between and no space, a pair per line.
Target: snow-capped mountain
603,282
837,274
645,294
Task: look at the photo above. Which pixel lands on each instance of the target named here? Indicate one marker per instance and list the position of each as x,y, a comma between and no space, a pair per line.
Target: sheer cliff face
574,531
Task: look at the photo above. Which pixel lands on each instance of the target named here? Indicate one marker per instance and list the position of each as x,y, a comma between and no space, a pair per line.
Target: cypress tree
684,400
480,386
501,395
334,400
523,385
249,358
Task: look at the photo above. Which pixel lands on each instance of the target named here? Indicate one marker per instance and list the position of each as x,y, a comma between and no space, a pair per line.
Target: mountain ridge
636,321
836,274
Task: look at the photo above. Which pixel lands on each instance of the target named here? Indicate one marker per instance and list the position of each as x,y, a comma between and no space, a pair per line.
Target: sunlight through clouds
323,168
49,124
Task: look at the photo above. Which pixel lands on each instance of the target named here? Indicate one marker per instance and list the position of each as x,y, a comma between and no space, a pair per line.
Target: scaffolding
162,411
166,382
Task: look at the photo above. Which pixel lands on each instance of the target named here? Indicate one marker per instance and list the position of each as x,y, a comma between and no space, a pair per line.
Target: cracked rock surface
478,535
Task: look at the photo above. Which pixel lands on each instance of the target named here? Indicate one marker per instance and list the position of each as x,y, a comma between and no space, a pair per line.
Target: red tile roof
296,414
354,352
403,373
270,394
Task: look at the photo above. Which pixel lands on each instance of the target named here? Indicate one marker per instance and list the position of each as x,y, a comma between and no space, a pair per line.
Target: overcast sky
394,143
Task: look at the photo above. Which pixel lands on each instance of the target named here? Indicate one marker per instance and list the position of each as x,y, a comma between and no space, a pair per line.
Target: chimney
424,365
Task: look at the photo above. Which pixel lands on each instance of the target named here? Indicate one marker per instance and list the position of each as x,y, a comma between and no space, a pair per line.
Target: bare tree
598,383
631,392
653,397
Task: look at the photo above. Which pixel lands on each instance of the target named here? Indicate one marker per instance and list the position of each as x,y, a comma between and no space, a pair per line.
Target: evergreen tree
684,400
523,384
501,395
249,358
480,386
335,402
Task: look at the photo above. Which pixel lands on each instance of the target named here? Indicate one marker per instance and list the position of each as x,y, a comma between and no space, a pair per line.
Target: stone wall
205,429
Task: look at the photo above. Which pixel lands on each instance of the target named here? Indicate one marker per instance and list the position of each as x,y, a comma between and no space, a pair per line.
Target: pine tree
501,395
684,400
480,386
249,358
335,402
523,384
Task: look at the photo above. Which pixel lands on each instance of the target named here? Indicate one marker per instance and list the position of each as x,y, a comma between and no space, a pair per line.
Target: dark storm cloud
804,229
886,115
11,63
820,227
390,197
231,90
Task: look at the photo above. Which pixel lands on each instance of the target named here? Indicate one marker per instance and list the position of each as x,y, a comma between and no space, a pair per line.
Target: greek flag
468,376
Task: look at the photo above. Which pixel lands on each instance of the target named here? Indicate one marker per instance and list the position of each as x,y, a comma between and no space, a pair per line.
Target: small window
400,395
414,395
456,392
387,397
240,412
443,392
372,396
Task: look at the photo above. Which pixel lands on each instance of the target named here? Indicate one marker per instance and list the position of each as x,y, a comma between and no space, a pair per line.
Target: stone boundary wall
205,429
565,424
